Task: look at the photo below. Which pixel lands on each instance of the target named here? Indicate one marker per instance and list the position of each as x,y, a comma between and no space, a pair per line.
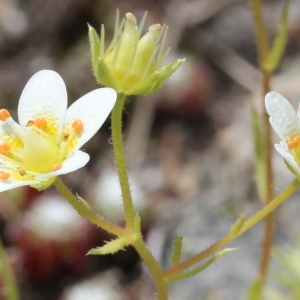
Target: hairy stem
116,128
84,210
153,266
162,285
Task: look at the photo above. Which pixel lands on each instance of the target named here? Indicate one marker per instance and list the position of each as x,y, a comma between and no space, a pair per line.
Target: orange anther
30,123
4,149
40,122
290,143
56,167
297,141
77,125
293,142
65,136
4,114
4,175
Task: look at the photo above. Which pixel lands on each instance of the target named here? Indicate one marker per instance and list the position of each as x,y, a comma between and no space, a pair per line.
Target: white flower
47,140
286,123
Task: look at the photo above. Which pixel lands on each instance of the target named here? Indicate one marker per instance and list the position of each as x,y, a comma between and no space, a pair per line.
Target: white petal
5,132
76,161
288,157
92,109
12,184
45,96
283,117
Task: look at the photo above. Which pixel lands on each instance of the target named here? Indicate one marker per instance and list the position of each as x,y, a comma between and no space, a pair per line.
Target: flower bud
132,64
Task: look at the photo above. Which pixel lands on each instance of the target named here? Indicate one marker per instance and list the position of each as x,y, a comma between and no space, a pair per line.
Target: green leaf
200,268
238,225
83,202
259,155
177,249
112,246
137,224
280,42
255,289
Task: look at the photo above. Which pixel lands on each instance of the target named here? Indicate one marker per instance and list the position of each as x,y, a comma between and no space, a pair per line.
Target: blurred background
189,149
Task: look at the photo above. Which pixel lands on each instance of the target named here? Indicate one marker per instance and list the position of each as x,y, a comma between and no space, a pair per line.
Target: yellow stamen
4,149
40,122
56,167
4,114
77,125
4,175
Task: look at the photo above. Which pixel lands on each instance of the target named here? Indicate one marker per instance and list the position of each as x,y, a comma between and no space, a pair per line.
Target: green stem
263,51
116,127
162,285
260,32
84,210
266,210
11,291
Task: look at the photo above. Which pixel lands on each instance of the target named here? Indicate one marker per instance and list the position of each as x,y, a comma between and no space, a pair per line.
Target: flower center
39,153
35,149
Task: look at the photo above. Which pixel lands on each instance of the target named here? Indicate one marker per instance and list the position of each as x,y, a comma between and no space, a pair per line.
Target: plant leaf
280,41
112,246
203,266
177,249
238,225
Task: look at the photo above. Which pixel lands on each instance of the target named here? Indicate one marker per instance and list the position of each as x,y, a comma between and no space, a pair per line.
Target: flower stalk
84,210
117,137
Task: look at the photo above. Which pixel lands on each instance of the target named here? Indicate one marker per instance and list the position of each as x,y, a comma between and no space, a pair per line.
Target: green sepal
43,185
255,289
104,76
155,80
95,45
112,246
166,71
144,87
259,155
196,270
280,41
291,169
